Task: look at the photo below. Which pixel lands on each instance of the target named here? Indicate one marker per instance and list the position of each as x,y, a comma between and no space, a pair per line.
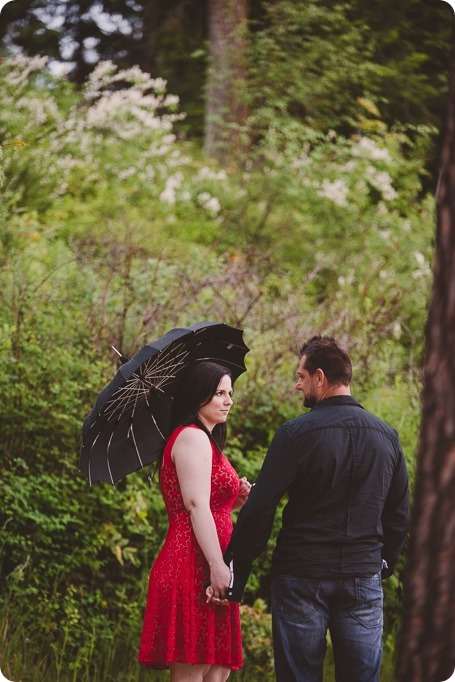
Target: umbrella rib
226,344
157,427
94,441
172,368
136,387
172,352
135,445
110,472
120,404
175,352
107,458
212,359
131,387
164,367
162,358
132,390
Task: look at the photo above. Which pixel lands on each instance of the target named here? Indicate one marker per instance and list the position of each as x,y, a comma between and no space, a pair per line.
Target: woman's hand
215,600
244,491
220,578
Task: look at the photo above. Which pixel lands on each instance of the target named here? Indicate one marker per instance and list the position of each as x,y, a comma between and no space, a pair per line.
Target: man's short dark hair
323,352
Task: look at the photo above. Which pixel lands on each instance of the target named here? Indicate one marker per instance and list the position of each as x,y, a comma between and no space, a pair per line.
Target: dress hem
151,665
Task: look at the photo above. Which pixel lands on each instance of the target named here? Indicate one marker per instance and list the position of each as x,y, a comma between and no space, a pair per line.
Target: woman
188,626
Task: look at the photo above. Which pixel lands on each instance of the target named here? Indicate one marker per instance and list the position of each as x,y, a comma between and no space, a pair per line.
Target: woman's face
217,410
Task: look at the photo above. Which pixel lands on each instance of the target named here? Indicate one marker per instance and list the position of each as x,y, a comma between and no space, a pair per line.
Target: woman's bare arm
192,455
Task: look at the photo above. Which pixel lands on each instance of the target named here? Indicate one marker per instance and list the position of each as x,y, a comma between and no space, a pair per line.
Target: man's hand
244,491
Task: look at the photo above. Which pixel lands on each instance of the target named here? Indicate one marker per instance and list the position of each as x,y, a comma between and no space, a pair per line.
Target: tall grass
112,662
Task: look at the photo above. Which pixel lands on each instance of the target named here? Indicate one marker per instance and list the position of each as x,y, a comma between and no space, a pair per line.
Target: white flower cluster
303,161
210,203
346,280
209,174
122,105
21,67
424,269
336,191
173,182
122,126
381,181
39,111
127,111
368,149
397,329
105,74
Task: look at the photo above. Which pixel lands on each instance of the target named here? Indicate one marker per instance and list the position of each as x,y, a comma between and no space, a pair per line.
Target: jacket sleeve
255,520
396,515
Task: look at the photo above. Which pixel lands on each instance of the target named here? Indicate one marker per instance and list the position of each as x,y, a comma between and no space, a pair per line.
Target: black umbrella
130,420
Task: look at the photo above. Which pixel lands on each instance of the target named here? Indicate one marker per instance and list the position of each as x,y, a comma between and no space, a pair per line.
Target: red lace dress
179,627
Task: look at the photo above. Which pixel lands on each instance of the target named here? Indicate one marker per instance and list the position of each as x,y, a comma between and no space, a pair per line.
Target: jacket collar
337,400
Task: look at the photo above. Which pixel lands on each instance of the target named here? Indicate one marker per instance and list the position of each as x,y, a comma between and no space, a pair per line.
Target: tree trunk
225,110
426,651
147,49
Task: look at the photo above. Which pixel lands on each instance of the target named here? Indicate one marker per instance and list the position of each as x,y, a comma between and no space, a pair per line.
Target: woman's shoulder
191,439
184,427
190,432
175,433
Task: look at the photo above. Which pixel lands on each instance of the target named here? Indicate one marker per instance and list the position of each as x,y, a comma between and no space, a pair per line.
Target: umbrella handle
122,357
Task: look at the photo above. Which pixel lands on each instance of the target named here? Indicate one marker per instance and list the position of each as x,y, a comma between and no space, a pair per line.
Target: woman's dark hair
323,352
196,388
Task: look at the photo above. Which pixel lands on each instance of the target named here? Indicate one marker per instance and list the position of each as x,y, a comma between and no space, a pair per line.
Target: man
343,527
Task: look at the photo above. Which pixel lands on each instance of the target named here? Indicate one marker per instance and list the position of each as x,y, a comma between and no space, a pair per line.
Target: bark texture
148,49
426,650
225,110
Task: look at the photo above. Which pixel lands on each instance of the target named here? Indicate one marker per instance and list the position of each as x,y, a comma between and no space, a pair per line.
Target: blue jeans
303,609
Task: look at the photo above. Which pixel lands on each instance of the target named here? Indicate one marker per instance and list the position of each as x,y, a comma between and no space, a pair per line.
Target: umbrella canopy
131,418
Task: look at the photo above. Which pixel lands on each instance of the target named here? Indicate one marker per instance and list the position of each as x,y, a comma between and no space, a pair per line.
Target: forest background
271,165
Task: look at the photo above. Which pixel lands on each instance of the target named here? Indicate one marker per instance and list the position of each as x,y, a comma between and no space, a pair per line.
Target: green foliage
257,641
348,66
319,62
315,63
414,55
113,231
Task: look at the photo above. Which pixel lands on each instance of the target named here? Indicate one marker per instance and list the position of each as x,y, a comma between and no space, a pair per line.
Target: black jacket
348,507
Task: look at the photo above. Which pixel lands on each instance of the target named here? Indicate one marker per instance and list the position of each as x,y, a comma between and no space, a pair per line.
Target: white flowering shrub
106,170
119,129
